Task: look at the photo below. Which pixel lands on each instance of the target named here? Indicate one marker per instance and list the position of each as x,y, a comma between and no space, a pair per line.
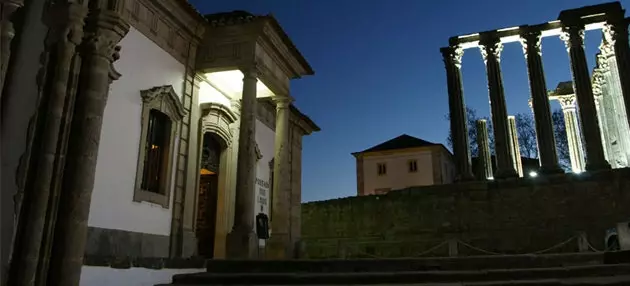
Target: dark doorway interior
208,190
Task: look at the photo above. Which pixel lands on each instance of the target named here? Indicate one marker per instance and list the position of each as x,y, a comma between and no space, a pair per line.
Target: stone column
598,82
7,32
573,36
546,143
45,167
491,51
516,151
279,245
242,241
608,63
616,34
574,137
104,30
457,111
484,167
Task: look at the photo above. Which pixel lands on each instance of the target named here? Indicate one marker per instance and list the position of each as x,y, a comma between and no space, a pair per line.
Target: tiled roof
401,142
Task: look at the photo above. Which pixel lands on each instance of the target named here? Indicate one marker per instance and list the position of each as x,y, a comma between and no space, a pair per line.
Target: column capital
452,55
567,102
282,101
573,35
253,70
531,41
490,45
104,30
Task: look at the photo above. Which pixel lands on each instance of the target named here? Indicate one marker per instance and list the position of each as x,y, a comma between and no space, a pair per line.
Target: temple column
616,34
515,150
491,48
573,36
574,137
611,69
546,143
104,28
484,167
598,82
279,245
457,111
242,240
7,32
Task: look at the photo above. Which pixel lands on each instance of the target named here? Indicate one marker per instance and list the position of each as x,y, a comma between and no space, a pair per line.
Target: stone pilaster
573,36
484,167
457,110
546,143
491,51
7,32
242,241
279,245
42,183
574,137
104,28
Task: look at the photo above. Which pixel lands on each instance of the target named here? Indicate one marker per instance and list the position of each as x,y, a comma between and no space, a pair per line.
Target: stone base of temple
564,269
279,247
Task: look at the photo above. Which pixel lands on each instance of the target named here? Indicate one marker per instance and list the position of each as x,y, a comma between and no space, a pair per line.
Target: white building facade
198,136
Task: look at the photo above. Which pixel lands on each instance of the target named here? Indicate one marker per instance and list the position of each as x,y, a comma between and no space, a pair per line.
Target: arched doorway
208,193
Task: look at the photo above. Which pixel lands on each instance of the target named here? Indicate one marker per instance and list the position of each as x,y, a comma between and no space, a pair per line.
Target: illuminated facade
191,119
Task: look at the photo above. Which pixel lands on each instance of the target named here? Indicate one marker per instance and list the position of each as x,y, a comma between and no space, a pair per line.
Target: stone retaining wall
514,216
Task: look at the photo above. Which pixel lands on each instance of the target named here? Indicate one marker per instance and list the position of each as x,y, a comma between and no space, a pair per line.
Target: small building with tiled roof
404,161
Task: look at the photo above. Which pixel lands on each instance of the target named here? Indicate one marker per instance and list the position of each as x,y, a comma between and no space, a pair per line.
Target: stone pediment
238,39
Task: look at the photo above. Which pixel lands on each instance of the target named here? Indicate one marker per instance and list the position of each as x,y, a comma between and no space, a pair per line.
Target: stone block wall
516,216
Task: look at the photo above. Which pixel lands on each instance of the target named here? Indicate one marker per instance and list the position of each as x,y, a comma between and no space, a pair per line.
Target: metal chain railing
472,247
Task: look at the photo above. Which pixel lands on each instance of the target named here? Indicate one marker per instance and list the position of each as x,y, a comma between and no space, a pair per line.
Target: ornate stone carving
572,36
167,98
216,118
453,55
531,41
104,31
567,102
492,48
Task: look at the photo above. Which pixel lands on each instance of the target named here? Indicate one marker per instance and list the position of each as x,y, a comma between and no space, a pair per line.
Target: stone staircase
541,270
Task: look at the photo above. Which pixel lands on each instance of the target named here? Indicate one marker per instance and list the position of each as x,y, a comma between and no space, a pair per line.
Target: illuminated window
156,152
413,166
381,169
162,111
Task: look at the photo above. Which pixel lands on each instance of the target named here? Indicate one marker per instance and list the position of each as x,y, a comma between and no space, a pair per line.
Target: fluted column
546,143
616,33
46,165
491,51
105,27
457,111
242,241
573,36
279,245
574,138
484,167
514,148
598,82
7,32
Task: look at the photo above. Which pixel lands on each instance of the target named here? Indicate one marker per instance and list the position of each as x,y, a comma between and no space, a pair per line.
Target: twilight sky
379,72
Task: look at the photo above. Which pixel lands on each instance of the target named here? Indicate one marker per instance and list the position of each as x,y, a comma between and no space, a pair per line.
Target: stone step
408,264
590,281
407,277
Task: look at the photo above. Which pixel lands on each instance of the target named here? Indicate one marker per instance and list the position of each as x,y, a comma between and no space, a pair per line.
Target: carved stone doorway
208,194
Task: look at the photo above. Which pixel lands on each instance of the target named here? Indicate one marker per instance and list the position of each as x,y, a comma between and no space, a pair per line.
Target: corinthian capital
567,102
453,55
104,30
531,41
490,46
573,36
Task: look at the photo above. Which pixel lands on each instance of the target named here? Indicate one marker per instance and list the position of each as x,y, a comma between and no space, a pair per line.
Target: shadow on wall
562,213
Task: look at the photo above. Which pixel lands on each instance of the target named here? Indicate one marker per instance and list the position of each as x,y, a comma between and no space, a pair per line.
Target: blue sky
379,72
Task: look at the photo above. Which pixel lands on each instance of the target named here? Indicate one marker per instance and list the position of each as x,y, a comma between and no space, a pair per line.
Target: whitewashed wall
143,65
265,137
106,276
398,175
